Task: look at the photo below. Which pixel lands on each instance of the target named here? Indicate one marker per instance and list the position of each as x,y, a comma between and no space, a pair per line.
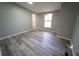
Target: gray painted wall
14,19
62,21
39,21
75,37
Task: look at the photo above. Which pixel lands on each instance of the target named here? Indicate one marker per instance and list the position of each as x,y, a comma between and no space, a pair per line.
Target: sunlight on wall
34,21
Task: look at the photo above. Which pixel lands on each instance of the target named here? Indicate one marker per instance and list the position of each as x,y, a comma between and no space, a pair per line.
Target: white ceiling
40,7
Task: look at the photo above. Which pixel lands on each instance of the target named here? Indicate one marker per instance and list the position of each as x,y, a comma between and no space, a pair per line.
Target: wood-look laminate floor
33,43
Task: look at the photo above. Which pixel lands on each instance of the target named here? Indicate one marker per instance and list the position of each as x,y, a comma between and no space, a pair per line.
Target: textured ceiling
40,7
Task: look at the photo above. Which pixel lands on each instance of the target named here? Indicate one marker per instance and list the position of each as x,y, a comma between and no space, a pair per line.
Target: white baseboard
15,34
71,47
0,51
63,37
72,50
44,29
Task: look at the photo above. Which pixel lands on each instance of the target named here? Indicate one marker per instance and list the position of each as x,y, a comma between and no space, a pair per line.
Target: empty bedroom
39,28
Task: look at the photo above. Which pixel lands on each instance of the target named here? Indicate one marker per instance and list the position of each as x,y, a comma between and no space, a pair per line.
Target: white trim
46,29
63,37
15,34
71,47
0,51
72,50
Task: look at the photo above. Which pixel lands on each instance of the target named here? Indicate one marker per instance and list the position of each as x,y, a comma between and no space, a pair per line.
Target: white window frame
47,20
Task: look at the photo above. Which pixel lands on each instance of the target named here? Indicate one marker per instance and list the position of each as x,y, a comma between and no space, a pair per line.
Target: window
47,20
